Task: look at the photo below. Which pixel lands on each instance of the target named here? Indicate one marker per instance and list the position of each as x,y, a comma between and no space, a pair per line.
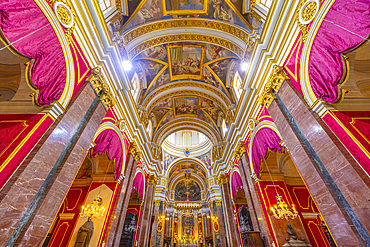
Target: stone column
30,201
231,225
153,235
122,204
221,224
254,204
336,182
146,215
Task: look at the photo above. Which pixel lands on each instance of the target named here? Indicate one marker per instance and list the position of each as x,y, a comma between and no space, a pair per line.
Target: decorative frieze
274,82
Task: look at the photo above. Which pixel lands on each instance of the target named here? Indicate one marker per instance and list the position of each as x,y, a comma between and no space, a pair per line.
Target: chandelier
94,209
282,210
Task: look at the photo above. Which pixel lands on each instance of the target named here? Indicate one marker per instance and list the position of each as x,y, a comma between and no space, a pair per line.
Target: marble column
23,193
221,224
153,235
254,204
122,204
228,207
306,135
146,214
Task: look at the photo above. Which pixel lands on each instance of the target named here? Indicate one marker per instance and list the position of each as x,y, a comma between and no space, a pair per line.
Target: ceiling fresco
145,11
164,64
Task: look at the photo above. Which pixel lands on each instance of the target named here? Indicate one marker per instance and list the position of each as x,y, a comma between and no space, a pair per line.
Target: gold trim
166,12
98,82
183,38
186,76
237,32
275,80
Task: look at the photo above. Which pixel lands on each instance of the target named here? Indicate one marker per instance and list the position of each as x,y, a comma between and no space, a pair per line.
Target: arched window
224,127
266,4
135,87
105,5
186,139
237,84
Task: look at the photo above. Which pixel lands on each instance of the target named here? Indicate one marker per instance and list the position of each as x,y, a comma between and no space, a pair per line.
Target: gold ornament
274,82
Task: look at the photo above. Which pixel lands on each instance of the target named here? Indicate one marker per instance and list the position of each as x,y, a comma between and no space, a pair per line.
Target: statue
291,232
293,239
84,234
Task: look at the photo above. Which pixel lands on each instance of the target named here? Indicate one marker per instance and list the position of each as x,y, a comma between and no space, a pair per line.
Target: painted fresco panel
186,106
185,61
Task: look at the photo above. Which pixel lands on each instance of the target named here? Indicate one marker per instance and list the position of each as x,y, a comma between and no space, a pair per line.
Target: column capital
222,179
98,83
157,203
134,150
274,81
239,150
152,179
218,202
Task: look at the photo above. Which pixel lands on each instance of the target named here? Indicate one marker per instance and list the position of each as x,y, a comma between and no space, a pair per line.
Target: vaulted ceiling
185,55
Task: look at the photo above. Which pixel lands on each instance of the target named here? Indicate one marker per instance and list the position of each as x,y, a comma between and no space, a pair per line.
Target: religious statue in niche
84,234
187,190
245,220
293,239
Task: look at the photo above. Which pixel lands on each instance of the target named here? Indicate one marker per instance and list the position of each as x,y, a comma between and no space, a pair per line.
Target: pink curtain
236,184
138,184
109,140
265,139
19,18
326,66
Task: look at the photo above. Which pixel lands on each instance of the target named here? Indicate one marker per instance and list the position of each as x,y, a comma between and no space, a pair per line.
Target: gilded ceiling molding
98,82
239,150
195,37
147,104
187,160
274,81
134,150
225,27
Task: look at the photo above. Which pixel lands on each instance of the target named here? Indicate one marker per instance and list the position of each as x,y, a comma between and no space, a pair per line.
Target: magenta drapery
19,18
109,140
138,184
265,139
326,65
236,184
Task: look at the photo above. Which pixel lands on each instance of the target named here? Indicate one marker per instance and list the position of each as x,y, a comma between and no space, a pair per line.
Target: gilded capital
274,81
223,178
218,202
152,179
135,151
99,84
240,149
157,203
